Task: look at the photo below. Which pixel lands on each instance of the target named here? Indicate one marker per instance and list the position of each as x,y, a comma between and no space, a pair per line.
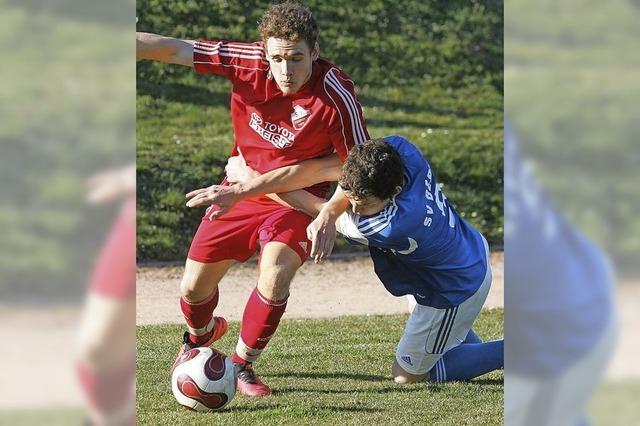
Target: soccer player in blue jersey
420,247
388,199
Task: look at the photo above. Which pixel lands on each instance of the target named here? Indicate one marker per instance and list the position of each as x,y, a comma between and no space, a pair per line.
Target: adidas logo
407,359
303,244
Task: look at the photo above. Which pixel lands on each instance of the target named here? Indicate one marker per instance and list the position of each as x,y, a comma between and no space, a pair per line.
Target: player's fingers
196,201
327,249
310,233
313,236
323,253
330,239
195,192
330,249
320,247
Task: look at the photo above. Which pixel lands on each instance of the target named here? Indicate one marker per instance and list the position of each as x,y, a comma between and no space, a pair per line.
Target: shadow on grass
364,377
487,382
412,104
333,409
192,94
388,389
328,408
232,408
184,93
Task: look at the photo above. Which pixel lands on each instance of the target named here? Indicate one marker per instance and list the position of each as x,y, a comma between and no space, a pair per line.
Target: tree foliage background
431,71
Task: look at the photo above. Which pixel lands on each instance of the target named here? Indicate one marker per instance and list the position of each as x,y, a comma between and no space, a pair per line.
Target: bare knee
275,281
192,290
201,279
278,265
402,377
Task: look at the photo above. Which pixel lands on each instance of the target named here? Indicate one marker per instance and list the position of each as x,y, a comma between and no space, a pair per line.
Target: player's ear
315,52
397,190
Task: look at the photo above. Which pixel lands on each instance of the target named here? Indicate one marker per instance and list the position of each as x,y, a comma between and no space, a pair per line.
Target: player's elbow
164,49
331,173
330,169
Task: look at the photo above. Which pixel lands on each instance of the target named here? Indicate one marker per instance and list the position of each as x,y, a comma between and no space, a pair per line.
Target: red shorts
114,275
250,224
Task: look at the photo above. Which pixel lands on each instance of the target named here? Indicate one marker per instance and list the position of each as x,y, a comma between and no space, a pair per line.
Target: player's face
290,62
366,206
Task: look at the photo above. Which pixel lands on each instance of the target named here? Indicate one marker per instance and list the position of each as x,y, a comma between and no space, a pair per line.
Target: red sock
199,317
110,393
259,322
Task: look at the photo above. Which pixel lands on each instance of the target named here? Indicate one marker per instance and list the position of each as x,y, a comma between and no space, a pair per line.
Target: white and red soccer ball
204,380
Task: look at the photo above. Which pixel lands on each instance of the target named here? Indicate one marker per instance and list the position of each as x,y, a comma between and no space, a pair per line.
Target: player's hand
237,170
322,233
222,197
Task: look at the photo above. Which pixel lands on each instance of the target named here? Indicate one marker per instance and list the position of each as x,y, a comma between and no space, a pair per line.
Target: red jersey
273,130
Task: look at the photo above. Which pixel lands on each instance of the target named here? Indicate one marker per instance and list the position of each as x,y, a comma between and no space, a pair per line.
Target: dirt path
347,287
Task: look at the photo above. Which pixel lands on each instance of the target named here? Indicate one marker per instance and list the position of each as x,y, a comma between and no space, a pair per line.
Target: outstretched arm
279,181
291,178
164,49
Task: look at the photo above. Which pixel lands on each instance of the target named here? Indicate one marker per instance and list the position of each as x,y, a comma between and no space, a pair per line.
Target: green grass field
326,371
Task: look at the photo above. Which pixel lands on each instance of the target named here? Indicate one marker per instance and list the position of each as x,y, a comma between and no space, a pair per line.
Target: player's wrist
240,189
330,211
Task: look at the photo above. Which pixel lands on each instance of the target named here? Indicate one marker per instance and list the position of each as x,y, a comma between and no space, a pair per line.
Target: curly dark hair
373,168
289,21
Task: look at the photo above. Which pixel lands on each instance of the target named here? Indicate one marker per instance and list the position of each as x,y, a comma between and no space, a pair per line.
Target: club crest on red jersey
299,117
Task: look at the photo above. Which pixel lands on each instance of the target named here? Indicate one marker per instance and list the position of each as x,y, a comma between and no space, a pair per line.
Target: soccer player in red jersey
287,106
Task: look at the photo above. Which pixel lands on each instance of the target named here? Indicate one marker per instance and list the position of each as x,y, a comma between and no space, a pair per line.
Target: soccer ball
204,380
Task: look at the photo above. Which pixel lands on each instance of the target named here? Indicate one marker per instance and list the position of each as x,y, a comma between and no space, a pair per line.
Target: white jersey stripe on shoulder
243,51
238,46
227,55
370,226
233,55
230,65
382,216
207,44
350,104
212,50
378,226
357,117
344,137
356,135
244,46
332,84
349,101
226,50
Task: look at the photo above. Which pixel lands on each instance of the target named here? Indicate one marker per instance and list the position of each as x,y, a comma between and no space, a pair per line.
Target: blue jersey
559,297
419,244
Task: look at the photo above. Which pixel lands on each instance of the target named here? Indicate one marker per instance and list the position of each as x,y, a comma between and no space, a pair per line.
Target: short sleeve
346,225
228,59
